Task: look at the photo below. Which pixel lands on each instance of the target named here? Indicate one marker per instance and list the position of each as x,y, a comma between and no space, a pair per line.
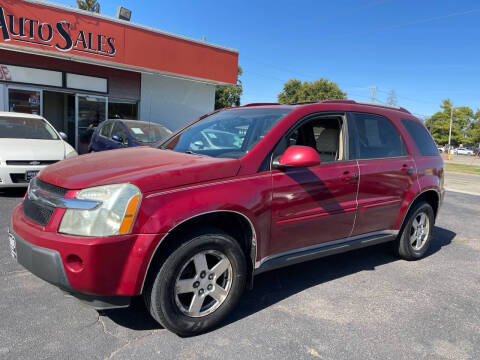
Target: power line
420,21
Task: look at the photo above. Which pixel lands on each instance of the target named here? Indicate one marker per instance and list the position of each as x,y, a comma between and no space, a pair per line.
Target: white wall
174,102
3,98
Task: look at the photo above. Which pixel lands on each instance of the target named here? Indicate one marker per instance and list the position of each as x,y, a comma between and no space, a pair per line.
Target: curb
462,192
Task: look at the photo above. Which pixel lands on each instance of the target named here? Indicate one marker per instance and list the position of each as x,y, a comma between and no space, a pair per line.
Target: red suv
238,192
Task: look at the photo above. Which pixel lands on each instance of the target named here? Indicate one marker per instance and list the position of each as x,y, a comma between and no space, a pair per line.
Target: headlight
71,154
114,216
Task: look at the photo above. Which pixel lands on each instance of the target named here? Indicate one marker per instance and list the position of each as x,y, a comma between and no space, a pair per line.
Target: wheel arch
234,223
431,196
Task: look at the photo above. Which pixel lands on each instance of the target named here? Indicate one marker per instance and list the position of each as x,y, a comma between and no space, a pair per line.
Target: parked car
28,143
117,134
189,228
464,151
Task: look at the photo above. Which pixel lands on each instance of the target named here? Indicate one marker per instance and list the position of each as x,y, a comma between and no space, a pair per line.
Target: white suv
28,143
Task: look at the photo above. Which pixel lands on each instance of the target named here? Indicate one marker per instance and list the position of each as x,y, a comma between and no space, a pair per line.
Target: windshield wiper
191,152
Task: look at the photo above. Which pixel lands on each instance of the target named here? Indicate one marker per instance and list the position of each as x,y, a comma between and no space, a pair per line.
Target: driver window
324,135
120,132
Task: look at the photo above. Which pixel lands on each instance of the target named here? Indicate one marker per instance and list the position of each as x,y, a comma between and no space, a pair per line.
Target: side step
322,251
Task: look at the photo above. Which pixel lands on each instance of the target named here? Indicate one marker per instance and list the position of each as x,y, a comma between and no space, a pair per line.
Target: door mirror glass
63,136
298,156
117,138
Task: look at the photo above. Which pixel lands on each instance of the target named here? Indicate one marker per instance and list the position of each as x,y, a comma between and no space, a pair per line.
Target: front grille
53,189
18,178
31,162
39,213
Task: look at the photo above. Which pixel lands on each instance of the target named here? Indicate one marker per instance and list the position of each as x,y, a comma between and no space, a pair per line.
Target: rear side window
422,138
376,137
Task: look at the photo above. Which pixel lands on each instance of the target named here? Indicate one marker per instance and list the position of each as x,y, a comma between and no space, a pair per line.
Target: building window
24,101
122,109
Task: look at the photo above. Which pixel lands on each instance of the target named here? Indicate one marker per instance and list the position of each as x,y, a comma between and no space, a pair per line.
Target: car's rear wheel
416,235
199,283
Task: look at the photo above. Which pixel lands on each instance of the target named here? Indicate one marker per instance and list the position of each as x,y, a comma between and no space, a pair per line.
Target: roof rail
260,104
386,106
334,101
343,101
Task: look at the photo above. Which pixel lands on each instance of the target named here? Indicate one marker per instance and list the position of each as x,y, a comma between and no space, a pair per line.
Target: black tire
403,245
160,296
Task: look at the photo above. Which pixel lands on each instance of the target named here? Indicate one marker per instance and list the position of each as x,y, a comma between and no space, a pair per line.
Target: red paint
104,40
289,208
5,73
300,156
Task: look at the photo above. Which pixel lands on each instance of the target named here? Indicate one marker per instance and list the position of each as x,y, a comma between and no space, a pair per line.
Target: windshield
145,132
227,134
26,128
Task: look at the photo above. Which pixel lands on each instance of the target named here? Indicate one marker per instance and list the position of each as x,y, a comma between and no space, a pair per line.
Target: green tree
229,95
474,131
439,124
294,91
89,5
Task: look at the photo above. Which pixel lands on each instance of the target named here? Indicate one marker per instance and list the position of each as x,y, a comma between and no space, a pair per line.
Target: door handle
347,176
407,169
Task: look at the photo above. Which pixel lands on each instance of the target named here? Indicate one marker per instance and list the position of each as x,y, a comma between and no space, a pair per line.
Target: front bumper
90,268
47,265
13,176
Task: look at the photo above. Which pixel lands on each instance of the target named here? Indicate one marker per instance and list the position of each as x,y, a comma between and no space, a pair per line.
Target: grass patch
462,168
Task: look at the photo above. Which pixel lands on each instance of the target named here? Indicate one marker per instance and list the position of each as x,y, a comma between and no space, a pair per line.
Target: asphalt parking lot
361,305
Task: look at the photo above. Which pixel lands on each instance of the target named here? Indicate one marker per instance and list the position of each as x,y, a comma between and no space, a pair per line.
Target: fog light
74,263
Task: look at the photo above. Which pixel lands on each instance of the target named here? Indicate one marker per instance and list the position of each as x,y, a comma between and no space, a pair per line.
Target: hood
31,149
148,168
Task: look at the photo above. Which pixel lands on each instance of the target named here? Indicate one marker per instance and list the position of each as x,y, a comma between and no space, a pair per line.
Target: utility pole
374,88
450,132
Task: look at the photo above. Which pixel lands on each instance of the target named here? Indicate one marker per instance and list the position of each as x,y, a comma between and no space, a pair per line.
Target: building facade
77,69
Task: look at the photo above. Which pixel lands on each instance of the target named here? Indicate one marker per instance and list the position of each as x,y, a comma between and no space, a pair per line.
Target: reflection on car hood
31,149
150,169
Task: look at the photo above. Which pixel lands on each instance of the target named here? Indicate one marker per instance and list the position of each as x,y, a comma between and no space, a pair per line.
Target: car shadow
12,193
277,285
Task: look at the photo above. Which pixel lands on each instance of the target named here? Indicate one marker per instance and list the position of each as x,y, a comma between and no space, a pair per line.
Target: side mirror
63,136
199,144
298,156
117,138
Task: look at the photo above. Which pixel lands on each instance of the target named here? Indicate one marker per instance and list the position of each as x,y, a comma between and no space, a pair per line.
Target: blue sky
425,50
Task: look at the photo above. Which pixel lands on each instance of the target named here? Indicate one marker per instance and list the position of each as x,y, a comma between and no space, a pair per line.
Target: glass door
25,100
90,111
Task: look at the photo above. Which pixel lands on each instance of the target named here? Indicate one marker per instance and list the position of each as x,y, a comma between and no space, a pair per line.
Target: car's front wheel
199,283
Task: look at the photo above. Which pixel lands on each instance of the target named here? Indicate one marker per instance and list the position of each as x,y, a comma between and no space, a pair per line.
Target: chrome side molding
36,194
325,249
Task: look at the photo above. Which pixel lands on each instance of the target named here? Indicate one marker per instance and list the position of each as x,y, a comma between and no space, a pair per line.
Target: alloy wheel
419,231
203,283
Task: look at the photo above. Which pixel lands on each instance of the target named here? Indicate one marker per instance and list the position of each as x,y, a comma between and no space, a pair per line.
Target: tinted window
376,137
119,131
146,132
26,128
106,128
228,133
422,138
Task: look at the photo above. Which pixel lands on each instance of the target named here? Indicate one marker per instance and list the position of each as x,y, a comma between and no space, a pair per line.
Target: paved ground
361,305
466,183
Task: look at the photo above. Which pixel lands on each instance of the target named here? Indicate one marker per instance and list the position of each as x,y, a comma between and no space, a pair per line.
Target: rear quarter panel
429,171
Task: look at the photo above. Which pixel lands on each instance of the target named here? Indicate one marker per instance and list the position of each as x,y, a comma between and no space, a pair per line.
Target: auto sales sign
44,28
62,35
